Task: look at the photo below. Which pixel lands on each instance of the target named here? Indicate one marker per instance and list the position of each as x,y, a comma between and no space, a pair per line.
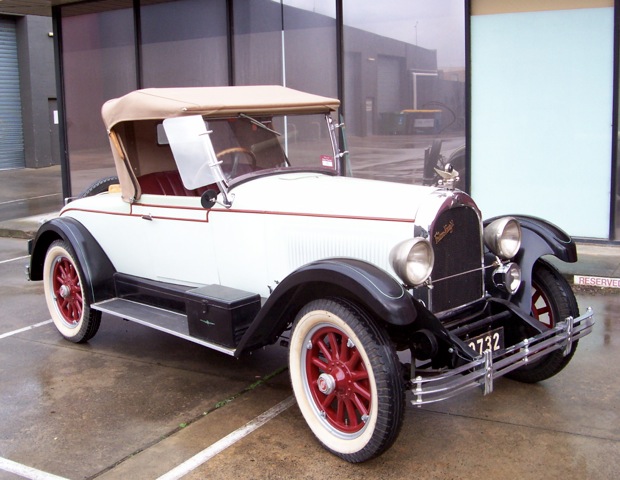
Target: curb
11,233
24,228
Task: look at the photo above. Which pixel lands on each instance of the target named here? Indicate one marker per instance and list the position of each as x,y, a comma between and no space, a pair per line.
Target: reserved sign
597,281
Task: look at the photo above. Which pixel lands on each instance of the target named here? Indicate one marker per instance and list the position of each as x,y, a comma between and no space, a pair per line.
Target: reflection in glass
99,63
291,43
404,87
404,69
310,46
616,233
257,42
184,44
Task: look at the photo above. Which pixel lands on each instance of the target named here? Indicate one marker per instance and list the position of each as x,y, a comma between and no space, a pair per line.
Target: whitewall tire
67,298
346,379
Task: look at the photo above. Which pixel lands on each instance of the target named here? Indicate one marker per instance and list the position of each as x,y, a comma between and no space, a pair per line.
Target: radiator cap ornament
449,176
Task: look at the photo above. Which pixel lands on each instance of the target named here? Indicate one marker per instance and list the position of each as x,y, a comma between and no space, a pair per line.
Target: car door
172,241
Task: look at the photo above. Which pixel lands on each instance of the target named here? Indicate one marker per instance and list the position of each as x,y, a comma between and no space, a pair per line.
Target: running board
160,319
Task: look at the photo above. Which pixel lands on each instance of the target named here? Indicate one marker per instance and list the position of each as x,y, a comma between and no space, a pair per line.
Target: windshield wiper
259,124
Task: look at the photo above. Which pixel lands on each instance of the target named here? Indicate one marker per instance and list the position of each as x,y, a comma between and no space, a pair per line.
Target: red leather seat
169,183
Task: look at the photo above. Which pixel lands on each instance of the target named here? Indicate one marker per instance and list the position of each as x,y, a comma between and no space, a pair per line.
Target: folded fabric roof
160,103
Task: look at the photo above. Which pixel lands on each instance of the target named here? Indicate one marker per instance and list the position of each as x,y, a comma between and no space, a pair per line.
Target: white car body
276,225
232,224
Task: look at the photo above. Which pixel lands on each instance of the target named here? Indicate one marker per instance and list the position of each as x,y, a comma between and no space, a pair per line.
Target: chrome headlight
413,260
503,237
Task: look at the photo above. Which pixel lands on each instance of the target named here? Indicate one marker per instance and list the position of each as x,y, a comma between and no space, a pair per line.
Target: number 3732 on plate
492,340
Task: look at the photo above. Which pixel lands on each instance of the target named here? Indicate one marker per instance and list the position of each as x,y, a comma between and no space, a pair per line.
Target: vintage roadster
231,224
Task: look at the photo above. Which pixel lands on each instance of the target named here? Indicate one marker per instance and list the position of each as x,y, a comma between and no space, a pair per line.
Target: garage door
11,133
389,77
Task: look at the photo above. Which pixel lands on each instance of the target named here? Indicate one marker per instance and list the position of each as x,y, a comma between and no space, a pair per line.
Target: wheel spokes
541,307
352,414
338,380
67,290
325,350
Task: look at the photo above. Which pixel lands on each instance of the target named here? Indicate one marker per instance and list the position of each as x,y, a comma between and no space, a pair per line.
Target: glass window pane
616,233
404,87
99,63
257,42
310,46
184,43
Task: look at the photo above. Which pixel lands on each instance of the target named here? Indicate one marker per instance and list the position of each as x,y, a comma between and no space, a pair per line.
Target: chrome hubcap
64,291
326,383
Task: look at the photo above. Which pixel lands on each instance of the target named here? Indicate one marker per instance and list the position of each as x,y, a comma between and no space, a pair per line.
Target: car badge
447,229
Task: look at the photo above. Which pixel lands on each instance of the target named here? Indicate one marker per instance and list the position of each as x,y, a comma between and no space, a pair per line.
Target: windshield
251,144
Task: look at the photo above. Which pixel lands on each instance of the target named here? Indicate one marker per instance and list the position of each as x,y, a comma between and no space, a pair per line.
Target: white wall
541,116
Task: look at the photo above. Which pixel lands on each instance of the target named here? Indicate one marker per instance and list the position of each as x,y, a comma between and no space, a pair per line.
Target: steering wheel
237,151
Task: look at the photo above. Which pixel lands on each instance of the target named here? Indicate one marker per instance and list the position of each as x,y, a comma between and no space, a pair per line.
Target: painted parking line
14,259
25,329
26,472
229,440
38,197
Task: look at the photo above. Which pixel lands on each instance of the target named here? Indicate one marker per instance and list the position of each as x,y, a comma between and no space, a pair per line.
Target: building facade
29,133
528,87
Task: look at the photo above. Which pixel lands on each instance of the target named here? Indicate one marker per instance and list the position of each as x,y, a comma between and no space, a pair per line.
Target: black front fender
97,267
359,282
538,238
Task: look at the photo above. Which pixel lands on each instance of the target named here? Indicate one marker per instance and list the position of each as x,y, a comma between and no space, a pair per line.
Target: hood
319,194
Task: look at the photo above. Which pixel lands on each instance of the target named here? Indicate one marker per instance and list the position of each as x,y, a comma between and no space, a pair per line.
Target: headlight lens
503,237
413,260
508,278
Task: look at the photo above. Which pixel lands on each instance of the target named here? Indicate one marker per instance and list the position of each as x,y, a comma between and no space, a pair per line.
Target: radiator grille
457,274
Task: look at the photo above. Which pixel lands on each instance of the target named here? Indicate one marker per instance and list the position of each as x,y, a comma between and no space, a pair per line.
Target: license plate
492,340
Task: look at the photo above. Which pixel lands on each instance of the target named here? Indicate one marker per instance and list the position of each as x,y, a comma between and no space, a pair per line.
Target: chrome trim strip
483,371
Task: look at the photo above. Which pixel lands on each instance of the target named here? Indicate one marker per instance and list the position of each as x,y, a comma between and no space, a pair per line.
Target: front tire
553,301
67,298
347,380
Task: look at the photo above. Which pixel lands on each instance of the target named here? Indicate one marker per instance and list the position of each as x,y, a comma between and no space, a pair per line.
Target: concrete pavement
137,403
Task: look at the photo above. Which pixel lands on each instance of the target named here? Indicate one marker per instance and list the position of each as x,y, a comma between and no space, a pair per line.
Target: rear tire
100,186
68,300
552,301
347,380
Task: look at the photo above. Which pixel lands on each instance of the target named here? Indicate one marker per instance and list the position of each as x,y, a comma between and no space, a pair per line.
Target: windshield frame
228,179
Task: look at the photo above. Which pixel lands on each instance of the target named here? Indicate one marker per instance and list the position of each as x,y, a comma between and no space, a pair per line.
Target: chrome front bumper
482,371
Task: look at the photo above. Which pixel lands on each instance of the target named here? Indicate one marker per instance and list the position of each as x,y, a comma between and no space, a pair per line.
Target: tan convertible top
159,103
131,120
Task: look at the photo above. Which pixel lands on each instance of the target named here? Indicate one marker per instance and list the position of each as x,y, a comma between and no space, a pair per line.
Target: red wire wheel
67,298
338,380
541,306
552,302
347,379
67,291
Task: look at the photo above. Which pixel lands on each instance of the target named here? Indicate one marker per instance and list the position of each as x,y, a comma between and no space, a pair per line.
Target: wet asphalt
136,403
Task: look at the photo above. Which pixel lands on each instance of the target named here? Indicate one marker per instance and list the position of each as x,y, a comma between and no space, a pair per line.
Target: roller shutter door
11,129
389,77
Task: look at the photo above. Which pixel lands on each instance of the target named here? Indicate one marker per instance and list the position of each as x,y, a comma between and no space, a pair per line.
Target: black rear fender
95,264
